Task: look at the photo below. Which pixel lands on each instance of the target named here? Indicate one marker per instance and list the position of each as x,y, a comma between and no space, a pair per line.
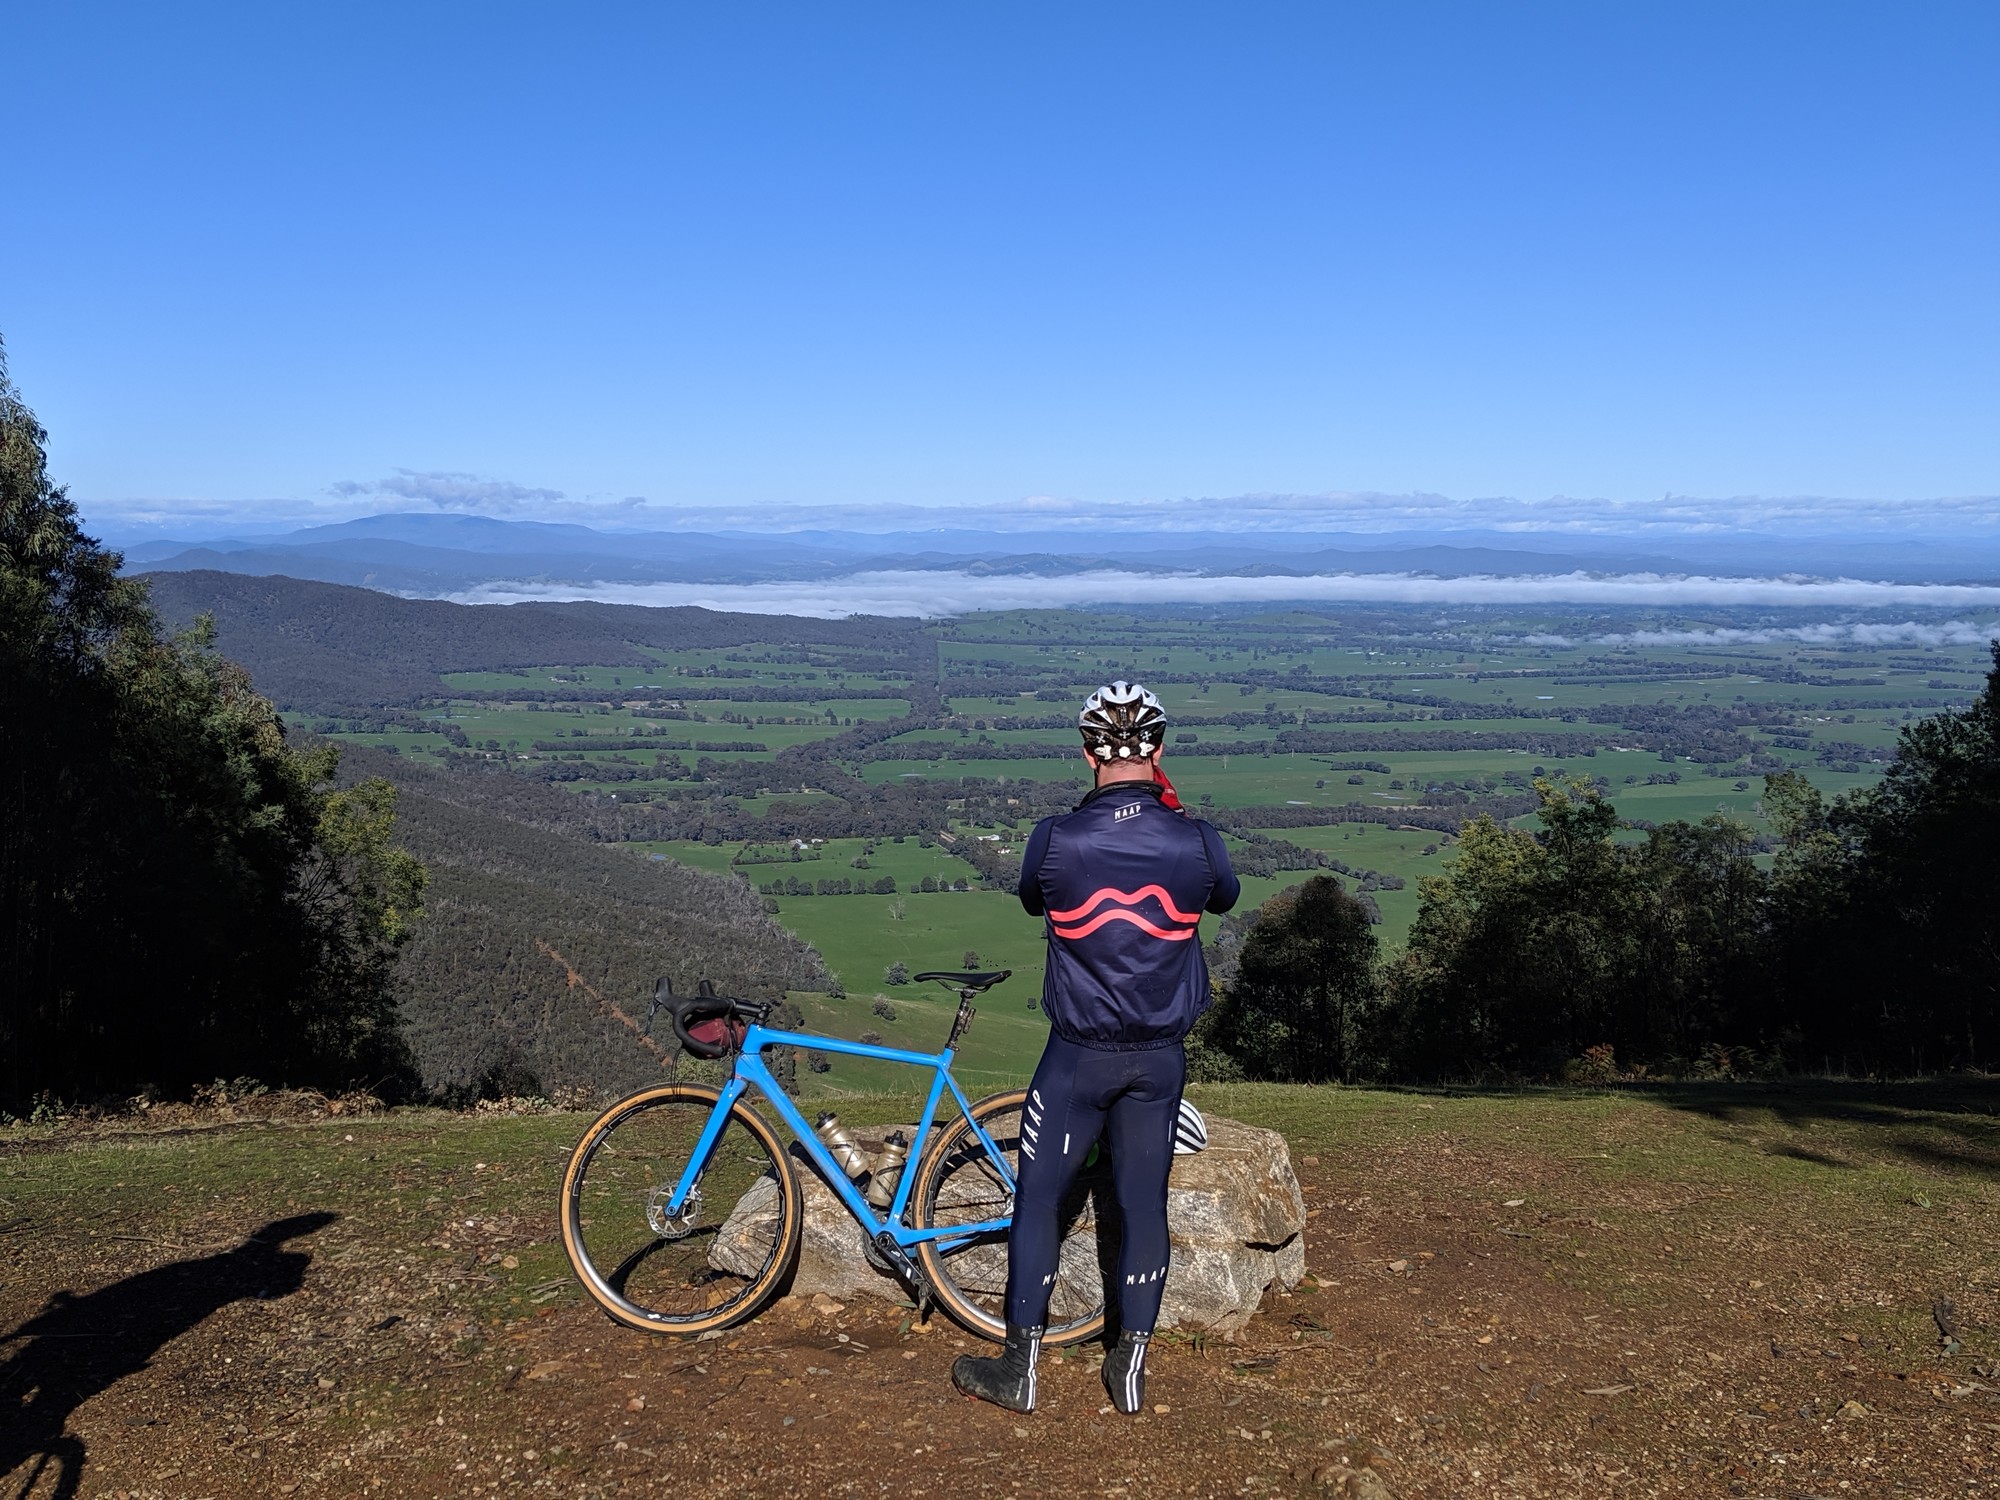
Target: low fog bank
932,594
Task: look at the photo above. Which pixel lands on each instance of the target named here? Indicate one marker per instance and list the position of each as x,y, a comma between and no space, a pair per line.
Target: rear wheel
716,1261
957,1184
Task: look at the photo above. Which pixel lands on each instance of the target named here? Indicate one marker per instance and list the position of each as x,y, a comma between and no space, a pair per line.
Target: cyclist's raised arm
1031,867
1227,887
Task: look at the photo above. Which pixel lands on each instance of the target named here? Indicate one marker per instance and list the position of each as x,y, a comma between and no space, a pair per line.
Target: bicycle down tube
750,1069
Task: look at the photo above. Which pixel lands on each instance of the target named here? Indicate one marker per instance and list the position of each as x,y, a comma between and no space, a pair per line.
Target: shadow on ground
78,1347
1950,1124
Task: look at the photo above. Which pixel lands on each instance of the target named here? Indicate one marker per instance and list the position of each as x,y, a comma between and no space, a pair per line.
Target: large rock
1238,1224
1234,1211
831,1257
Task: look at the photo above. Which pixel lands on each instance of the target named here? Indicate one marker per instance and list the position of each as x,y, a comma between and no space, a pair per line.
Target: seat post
963,1020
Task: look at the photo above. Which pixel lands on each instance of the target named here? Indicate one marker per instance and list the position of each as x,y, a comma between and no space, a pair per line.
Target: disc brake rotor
672,1227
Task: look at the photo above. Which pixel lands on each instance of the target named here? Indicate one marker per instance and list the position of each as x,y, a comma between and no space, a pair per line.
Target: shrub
1598,1064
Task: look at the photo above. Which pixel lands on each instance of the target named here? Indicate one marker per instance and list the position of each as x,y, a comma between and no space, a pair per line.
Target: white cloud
1559,516
450,491
931,594
1655,523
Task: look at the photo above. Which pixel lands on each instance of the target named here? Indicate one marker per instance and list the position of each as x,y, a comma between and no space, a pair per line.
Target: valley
871,781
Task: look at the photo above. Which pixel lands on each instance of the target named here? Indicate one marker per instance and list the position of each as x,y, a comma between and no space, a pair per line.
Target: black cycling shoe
1125,1372
1007,1379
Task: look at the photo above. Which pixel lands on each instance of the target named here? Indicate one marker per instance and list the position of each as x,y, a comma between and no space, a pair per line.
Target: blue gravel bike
682,1209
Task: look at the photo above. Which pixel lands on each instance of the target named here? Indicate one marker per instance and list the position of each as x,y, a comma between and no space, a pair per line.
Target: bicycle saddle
708,1025
956,980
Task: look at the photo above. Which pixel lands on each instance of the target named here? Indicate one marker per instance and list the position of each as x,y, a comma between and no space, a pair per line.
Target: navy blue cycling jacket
1121,884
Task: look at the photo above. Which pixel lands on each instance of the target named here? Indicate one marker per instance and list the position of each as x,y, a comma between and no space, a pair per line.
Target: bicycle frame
750,1070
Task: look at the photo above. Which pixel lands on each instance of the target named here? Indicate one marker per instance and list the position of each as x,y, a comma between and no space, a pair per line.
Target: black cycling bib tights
1133,1100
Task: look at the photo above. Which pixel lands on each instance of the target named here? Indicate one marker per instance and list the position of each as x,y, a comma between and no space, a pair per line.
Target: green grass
424,748
1368,846
713,858
1293,779
601,729
860,937
1066,648
907,862
877,772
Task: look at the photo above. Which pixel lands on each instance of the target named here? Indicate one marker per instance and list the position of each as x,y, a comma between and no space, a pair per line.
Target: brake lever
663,990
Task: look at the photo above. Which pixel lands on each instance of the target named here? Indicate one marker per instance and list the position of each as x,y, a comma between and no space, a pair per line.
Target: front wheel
958,1184
715,1261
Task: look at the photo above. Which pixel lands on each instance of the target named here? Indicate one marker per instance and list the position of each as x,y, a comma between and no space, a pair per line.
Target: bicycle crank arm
912,1274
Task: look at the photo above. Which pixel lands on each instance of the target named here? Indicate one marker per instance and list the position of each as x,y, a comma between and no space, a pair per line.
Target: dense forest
1871,943
183,893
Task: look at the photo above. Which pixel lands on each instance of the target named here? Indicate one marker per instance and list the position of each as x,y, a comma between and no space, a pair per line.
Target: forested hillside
327,646
516,908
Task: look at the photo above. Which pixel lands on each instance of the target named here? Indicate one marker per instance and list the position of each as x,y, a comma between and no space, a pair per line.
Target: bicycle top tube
758,1038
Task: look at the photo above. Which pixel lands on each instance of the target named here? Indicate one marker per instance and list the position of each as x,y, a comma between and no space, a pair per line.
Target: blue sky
258,260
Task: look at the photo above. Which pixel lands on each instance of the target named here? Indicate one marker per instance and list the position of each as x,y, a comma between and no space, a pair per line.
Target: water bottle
888,1170
850,1158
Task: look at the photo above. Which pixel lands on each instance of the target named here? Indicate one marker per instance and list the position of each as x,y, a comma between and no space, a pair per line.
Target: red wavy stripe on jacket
1121,914
1126,898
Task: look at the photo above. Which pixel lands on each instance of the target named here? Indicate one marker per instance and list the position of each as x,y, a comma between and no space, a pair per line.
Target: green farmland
1355,737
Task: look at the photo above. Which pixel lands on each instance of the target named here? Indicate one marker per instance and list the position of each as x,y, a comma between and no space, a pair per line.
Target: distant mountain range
432,555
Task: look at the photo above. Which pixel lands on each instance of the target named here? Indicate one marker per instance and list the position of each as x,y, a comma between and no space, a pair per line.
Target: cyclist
1121,883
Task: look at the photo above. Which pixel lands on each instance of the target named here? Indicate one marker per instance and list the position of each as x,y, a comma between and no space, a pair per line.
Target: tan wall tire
748,1301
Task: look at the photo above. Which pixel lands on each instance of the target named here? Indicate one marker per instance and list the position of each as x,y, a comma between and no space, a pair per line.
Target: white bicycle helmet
1190,1131
1122,721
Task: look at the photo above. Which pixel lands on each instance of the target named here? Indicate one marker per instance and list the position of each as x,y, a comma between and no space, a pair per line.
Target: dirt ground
1510,1296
